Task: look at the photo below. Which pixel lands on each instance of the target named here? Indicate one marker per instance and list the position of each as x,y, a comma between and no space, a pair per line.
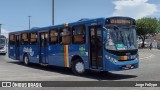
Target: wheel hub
79,67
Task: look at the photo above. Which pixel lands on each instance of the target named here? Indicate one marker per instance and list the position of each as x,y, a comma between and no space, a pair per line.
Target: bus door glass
17,46
95,46
11,48
43,47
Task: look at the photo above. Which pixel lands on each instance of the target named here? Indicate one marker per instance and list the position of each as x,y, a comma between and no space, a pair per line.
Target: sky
14,13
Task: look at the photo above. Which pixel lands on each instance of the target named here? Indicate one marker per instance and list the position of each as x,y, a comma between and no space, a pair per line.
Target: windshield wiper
105,28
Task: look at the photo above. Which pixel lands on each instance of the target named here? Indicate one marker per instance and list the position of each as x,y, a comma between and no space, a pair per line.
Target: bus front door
17,47
43,47
95,47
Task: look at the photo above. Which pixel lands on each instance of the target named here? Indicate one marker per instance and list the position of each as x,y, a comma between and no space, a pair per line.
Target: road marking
147,57
156,49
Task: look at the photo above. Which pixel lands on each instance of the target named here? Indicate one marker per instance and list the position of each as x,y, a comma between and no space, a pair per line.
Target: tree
146,26
158,28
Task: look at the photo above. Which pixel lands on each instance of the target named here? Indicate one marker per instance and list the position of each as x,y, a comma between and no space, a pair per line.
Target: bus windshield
2,42
121,39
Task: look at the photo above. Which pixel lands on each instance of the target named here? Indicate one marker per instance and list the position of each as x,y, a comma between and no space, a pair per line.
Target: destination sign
120,21
123,21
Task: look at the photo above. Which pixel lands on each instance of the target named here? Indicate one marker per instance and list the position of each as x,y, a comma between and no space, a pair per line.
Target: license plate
128,66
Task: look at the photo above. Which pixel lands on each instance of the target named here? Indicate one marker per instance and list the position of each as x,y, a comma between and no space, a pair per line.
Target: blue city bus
102,44
3,45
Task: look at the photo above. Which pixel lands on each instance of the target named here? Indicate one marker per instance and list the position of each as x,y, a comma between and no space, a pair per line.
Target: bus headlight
137,57
3,49
110,58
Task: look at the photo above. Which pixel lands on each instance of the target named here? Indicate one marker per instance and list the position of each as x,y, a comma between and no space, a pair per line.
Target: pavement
149,70
146,53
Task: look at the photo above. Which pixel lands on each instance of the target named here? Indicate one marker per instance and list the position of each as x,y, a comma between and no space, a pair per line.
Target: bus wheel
26,60
4,54
78,67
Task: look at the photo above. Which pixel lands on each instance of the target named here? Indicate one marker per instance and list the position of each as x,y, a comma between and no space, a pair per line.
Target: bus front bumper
3,50
119,66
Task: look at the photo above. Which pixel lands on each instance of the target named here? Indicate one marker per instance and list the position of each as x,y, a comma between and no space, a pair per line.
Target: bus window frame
22,39
10,40
54,36
80,34
29,37
60,37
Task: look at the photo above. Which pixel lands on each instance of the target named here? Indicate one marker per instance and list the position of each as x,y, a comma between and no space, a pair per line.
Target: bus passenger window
53,36
79,34
12,39
24,40
33,38
65,36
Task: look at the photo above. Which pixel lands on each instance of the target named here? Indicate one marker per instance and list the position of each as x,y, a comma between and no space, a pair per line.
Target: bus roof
82,21
2,36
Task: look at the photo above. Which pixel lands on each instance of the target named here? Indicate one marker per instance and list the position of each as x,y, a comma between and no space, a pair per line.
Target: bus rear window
65,36
12,39
33,38
24,40
78,34
53,36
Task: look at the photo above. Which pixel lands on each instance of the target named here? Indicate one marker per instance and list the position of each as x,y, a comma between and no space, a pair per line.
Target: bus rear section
3,45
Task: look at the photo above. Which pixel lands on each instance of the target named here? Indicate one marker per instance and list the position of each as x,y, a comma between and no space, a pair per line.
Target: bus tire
4,54
26,60
78,67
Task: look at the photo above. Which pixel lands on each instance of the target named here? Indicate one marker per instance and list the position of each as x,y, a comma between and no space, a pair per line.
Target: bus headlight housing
110,58
2,48
137,57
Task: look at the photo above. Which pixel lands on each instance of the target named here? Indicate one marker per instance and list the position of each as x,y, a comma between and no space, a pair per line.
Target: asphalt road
149,70
11,70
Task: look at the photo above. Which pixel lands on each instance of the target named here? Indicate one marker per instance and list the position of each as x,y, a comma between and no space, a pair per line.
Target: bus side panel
22,52
32,52
11,50
61,55
79,50
55,55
